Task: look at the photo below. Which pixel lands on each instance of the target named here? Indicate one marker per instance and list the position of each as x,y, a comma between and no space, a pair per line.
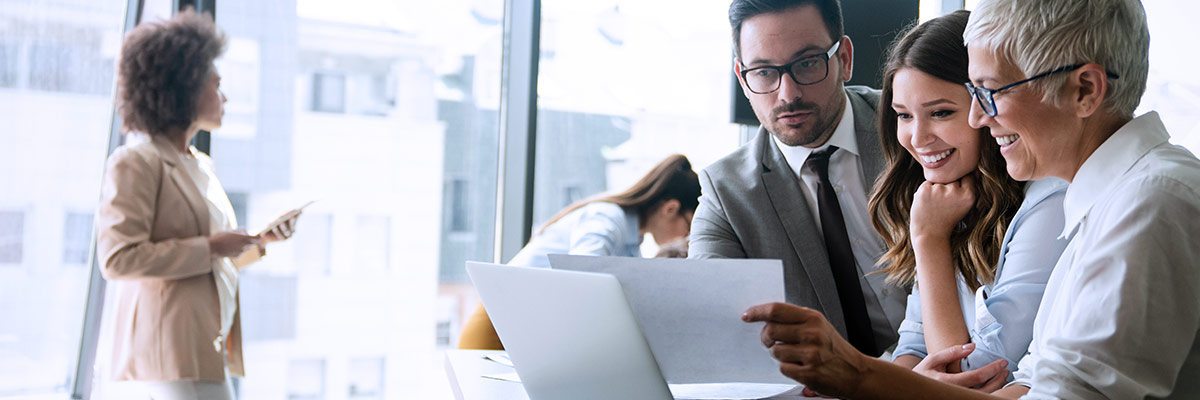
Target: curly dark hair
164,66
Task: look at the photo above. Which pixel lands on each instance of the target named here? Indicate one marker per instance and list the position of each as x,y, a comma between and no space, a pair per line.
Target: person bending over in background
661,203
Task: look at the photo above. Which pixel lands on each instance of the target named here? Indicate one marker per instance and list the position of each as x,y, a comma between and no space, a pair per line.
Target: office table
465,370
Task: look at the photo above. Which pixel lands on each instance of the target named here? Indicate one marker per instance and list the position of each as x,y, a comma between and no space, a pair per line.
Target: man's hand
808,348
986,379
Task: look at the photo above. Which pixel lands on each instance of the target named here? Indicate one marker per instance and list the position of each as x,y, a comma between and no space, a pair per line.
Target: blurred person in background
661,203
167,239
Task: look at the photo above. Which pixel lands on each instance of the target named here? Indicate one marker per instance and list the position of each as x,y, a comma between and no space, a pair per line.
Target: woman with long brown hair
661,203
978,245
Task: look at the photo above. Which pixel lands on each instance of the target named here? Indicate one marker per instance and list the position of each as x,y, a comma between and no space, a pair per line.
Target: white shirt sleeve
1126,311
601,231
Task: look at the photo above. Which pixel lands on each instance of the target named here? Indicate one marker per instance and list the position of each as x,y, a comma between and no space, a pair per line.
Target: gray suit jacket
752,206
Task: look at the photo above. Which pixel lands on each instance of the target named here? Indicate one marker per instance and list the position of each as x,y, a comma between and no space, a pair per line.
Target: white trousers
168,390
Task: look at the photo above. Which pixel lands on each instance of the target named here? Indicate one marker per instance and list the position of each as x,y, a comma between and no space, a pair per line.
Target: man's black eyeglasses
805,71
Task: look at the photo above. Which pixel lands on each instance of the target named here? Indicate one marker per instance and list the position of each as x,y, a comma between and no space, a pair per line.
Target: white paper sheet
710,391
690,312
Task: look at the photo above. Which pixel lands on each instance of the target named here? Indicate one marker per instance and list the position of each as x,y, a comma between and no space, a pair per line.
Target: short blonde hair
1041,35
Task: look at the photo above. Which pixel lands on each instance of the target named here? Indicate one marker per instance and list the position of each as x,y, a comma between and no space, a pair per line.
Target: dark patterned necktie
841,258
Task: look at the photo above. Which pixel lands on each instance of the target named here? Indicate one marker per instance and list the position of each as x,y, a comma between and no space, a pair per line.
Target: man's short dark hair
741,10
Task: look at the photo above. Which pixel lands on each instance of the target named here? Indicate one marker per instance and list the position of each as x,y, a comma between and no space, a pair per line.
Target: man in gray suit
798,191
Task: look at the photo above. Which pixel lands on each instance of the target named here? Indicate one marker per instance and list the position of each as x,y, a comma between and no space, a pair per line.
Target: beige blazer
152,243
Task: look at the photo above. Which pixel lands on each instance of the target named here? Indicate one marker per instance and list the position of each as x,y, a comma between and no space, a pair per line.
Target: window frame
514,192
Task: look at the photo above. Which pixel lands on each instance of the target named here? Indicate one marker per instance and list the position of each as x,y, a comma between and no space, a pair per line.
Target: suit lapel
866,134
783,189
186,184
867,137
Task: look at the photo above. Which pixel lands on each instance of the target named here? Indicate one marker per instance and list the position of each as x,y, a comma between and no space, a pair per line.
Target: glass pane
57,60
1173,88
385,113
306,380
606,114
366,379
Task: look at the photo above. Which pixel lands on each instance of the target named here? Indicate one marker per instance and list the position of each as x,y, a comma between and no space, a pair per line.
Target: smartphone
290,214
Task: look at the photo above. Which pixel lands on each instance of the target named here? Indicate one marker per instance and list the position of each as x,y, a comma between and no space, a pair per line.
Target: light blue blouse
596,229
1000,315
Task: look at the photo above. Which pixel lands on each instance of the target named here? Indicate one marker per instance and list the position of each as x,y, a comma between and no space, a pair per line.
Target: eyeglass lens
804,72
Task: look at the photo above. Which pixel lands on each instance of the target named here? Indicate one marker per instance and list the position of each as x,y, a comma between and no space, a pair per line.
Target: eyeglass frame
787,69
979,92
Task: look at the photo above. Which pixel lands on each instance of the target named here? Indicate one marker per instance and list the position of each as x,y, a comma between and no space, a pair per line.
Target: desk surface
465,369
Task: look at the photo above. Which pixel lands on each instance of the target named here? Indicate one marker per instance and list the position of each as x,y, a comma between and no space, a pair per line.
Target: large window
56,73
1173,87
387,114
624,83
384,114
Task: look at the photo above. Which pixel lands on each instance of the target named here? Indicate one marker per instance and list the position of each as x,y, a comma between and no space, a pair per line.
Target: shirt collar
631,225
1111,160
843,137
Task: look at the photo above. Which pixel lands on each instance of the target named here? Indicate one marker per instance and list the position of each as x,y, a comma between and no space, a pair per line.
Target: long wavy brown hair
672,178
935,48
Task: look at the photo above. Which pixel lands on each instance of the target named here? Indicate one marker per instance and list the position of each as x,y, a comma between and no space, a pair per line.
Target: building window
313,244
329,92
75,67
9,52
306,380
12,237
444,333
77,238
572,194
366,378
373,245
268,306
460,213
239,201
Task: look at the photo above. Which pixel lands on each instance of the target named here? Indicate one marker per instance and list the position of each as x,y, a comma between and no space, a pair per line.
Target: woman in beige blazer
166,238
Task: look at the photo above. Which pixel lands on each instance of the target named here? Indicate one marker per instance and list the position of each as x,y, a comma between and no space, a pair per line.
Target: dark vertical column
518,126
203,139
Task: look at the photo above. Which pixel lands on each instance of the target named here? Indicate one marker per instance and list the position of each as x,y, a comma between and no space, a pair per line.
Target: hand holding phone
283,227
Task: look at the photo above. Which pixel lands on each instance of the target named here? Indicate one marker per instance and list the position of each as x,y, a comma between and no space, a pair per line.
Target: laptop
570,335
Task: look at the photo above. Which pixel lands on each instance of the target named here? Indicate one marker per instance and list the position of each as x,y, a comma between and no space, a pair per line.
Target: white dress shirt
845,173
1121,312
221,218
596,229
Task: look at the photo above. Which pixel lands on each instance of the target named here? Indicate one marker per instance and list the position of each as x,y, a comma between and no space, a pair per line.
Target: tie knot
820,159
